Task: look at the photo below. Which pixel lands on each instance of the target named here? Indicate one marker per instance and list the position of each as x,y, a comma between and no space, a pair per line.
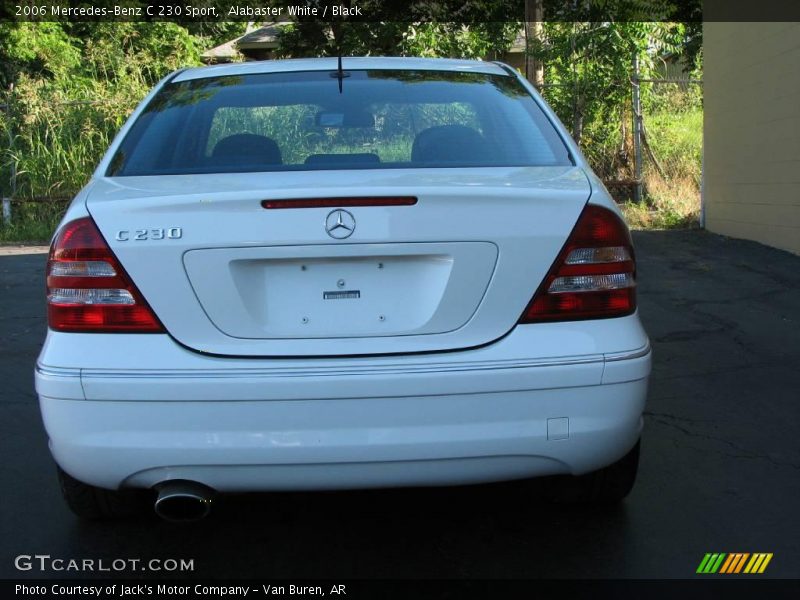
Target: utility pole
637,129
534,15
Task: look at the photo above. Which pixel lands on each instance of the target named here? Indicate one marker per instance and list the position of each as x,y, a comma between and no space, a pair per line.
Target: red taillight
594,276
87,288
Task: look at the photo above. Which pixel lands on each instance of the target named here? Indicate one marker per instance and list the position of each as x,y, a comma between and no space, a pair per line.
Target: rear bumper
435,420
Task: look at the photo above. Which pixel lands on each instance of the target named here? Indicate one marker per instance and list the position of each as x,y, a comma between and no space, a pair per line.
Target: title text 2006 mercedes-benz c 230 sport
292,275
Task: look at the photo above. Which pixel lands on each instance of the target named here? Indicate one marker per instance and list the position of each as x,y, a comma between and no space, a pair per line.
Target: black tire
94,503
609,485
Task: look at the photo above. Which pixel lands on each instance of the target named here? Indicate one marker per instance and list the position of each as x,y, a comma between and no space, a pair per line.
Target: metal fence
660,138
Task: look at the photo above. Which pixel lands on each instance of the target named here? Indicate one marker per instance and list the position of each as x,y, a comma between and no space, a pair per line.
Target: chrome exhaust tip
183,501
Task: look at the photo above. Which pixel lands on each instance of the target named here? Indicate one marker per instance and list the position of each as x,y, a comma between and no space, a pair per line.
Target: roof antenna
340,74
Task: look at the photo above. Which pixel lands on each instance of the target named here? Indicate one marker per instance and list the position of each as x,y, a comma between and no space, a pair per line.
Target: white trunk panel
460,266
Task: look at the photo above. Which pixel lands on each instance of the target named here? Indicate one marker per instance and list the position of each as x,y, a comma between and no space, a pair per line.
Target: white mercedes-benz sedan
308,275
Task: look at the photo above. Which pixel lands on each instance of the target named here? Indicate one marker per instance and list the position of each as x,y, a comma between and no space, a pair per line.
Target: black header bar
454,11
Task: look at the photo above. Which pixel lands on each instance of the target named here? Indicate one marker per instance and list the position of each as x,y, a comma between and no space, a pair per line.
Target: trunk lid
229,277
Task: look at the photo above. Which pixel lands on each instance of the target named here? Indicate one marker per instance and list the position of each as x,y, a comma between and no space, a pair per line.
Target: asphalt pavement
719,471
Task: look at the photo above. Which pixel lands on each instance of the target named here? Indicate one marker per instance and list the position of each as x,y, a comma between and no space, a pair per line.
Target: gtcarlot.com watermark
44,563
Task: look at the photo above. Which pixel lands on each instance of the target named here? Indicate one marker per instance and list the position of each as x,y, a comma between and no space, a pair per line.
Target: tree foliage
308,38
588,70
445,28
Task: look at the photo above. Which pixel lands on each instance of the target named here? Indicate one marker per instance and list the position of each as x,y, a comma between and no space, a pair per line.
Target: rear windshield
316,120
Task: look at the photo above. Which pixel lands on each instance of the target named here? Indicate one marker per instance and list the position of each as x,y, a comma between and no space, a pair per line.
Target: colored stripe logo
734,563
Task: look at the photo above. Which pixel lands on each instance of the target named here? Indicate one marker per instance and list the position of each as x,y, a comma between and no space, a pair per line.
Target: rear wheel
94,503
605,486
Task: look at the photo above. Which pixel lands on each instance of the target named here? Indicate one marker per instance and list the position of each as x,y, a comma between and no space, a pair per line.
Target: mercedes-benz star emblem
340,224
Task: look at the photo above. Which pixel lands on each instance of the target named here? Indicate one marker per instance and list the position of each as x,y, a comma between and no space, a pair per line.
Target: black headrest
343,159
449,143
247,149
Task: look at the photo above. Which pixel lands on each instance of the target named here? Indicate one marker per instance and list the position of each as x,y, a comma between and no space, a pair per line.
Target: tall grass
52,135
672,200
58,137
32,222
56,141
674,124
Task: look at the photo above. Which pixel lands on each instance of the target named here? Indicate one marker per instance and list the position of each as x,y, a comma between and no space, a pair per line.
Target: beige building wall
751,162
